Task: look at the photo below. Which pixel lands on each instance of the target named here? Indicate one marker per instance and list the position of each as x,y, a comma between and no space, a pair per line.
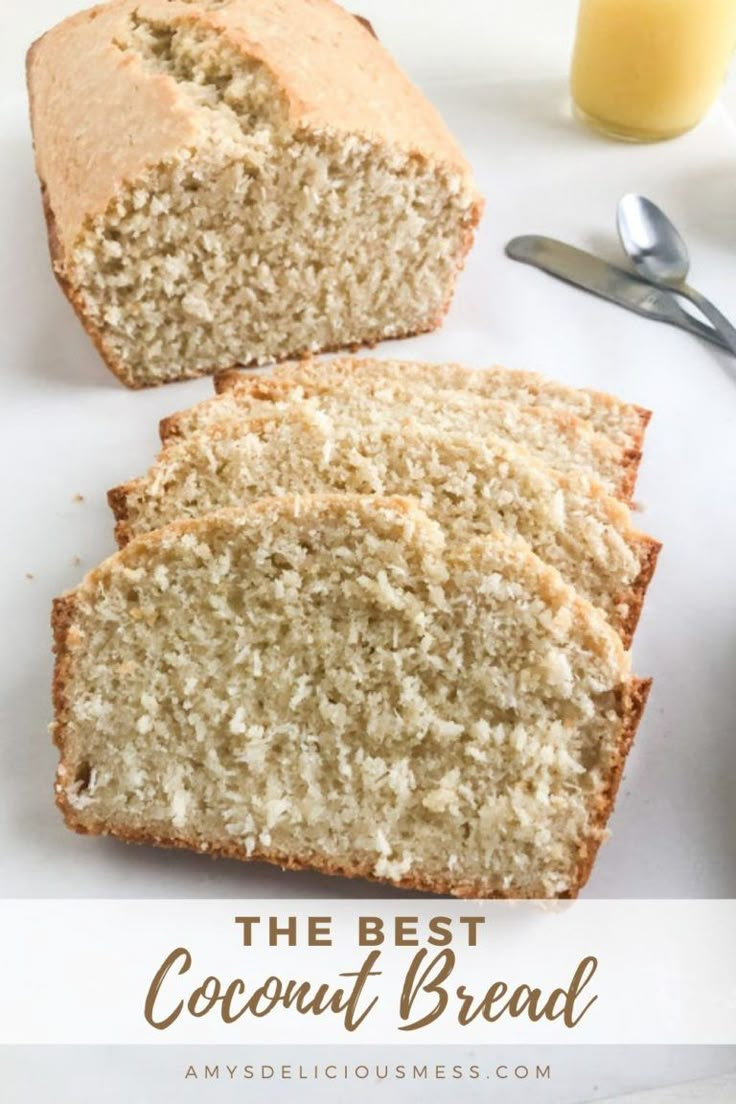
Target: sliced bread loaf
328,683
469,485
623,422
558,439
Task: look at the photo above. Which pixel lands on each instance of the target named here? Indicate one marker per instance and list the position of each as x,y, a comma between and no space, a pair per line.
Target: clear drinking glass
644,70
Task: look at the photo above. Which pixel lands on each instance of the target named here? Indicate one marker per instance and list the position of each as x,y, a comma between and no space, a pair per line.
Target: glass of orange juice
644,70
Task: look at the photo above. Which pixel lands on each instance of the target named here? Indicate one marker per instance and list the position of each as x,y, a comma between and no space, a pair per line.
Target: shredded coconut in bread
330,682
623,422
556,438
470,485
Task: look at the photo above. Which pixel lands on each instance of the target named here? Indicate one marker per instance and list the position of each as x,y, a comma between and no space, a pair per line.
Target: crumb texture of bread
556,438
623,422
472,486
330,682
241,182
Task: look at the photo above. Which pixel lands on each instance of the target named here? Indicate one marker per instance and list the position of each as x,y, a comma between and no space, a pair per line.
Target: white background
497,70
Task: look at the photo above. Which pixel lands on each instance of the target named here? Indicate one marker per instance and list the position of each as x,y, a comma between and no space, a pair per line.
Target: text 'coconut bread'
331,682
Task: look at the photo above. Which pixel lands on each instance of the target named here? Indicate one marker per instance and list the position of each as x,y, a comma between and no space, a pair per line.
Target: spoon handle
721,323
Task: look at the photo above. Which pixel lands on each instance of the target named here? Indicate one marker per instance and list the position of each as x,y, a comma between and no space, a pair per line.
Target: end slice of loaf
239,181
556,438
471,486
329,683
625,423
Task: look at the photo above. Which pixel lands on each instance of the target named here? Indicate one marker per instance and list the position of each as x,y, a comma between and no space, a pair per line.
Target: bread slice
238,181
329,683
558,439
469,485
623,422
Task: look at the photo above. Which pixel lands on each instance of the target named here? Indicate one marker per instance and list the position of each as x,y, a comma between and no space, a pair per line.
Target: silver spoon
660,256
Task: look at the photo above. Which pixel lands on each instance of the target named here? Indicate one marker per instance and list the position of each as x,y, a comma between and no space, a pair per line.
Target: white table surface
497,71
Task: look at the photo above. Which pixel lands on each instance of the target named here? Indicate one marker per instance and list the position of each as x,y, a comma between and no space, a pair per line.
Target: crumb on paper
29,575
78,497
76,561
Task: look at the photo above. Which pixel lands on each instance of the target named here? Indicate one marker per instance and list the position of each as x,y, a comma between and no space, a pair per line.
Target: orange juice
650,69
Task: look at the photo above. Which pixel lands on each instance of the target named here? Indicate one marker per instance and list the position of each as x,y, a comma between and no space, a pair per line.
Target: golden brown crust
89,90
630,471
366,23
634,597
55,248
117,500
62,616
227,849
633,702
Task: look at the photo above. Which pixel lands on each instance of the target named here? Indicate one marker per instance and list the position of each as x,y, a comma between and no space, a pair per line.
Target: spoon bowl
660,256
651,241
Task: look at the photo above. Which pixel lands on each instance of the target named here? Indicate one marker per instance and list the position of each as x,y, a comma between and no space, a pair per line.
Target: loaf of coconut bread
370,618
239,181
334,683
